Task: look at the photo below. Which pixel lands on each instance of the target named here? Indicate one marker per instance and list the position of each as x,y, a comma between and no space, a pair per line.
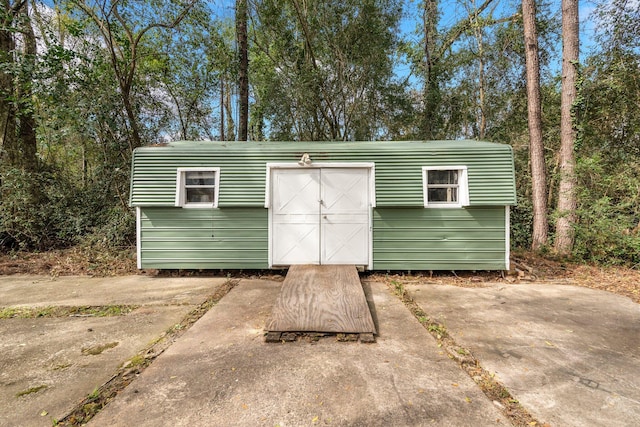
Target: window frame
463,186
181,193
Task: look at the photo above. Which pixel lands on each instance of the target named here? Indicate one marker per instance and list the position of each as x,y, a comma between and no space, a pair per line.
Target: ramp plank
321,298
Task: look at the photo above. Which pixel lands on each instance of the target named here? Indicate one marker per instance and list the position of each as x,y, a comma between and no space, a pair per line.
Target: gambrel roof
398,168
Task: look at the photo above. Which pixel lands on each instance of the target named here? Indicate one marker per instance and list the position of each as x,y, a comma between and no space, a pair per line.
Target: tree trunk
536,147
243,69
136,140
8,139
478,30
567,191
26,121
431,91
18,126
222,122
230,132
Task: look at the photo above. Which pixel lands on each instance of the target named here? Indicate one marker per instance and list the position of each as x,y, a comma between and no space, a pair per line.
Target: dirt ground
525,267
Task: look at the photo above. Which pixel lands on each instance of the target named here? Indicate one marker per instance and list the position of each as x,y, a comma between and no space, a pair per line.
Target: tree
122,32
453,64
536,144
17,129
431,71
566,209
243,68
26,120
612,85
608,146
184,75
324,70
8,138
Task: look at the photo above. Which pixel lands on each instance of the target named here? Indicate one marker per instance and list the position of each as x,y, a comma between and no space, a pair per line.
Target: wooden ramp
322,298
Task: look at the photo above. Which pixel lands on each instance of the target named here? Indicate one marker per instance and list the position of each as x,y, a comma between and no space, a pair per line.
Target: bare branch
174,24
18,6
460,28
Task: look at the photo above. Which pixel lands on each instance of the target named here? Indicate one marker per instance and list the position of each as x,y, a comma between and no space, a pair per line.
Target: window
445,186
197,187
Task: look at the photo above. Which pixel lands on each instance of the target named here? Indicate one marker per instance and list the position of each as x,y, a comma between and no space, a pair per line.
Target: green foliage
474,70
116,230
611,91
40,211
608,227
608,169
187,66
324,70
29,209
522,223
606,237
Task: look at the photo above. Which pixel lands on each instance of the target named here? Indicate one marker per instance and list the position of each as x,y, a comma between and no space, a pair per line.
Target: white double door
320,216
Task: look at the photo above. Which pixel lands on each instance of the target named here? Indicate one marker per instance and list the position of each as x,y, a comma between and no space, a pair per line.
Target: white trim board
138,238
507,237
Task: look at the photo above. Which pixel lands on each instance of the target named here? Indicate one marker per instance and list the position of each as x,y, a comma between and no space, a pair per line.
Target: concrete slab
38,291
45,355
221,372
570,355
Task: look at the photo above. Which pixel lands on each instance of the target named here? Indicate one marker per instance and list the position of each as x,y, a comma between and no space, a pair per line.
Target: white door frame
319,165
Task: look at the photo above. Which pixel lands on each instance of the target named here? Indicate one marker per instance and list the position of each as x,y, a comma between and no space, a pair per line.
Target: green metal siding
398,167
176,238
439,239
403,239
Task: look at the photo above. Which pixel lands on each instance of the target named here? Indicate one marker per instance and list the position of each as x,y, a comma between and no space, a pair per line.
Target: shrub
608,214
28,218
44,210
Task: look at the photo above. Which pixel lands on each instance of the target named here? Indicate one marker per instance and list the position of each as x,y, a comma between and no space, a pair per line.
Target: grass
80,311
94,394
98,349
31,390
138,361
61,366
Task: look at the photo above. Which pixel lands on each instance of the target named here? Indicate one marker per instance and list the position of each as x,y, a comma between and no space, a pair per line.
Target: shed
421,205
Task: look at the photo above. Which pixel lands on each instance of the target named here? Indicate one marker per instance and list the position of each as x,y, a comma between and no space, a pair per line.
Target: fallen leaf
315,419
44,413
